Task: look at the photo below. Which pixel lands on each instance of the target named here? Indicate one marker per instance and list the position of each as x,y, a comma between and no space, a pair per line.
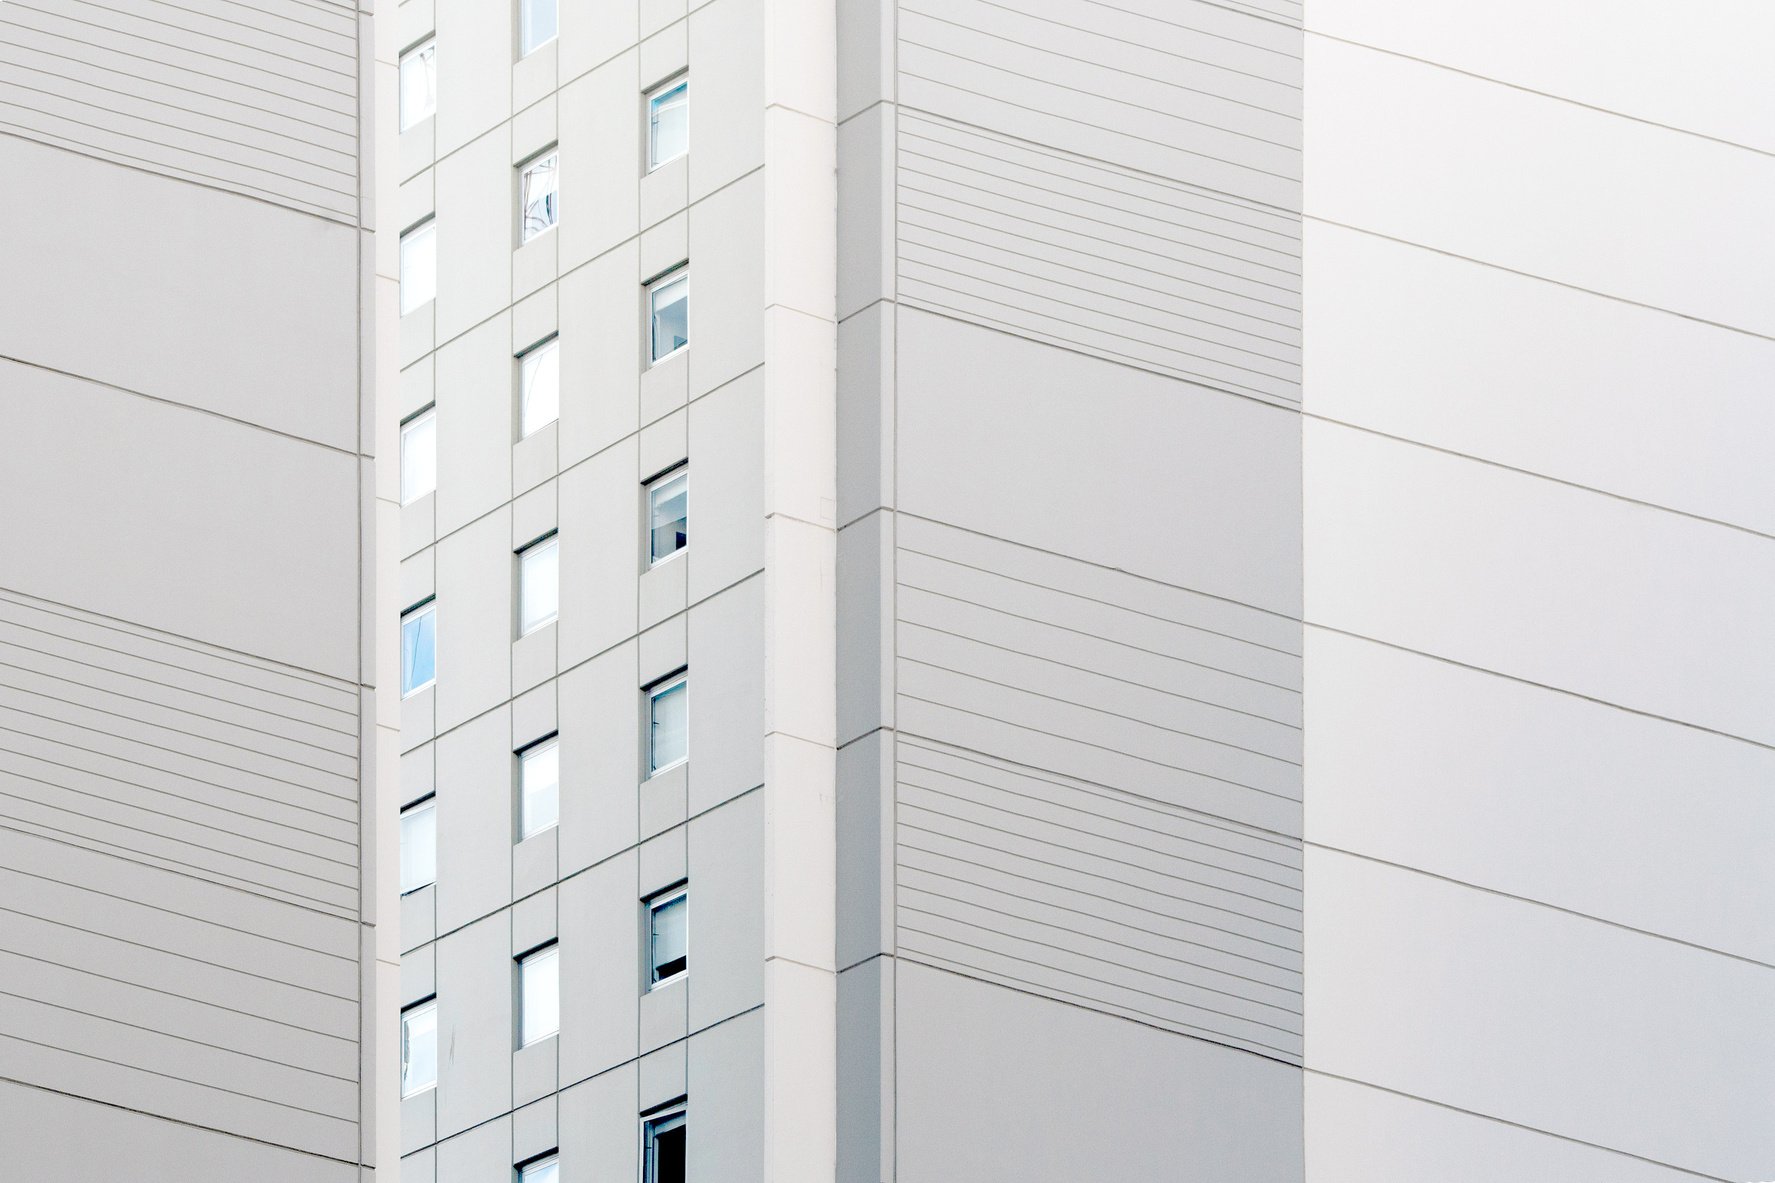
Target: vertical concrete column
800,507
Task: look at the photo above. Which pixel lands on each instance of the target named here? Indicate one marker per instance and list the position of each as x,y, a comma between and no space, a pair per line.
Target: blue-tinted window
419,641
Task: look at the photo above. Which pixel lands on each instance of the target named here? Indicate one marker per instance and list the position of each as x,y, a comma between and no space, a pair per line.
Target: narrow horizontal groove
1125,1013
342,21
172,147
221,656
234,969
237,51
1100,92
1279,218
87,889
1293,887
1551,907
952,251
1001,194
348,755
1094,196
1117,572
288,899
1096,858
1294,1010
976,640
140,679
1292,970
343,820
949,289
74,1010
1175,813
1142,889
903,585
245,1014
183,755
1101,130
139,96
345,29
214,57
1147,46
1206,32
1099,1003
194,870
13,774
905,186
339,109
180,1079
1137,721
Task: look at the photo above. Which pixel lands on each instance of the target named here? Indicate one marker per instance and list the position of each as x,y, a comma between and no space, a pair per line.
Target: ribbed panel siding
1165,820
259,99
1033,195
213,977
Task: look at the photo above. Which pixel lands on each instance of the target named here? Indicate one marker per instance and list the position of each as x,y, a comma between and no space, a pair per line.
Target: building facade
197,943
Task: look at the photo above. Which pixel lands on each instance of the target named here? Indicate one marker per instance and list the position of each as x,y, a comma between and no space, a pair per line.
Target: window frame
427,415
529,361
651,907
675,1112
653,691
427,1004
425,804
651,100
549,742
427,226
651,488
651,290
523,28
524,1171
428,42
425,607
526,554
549,951
525,235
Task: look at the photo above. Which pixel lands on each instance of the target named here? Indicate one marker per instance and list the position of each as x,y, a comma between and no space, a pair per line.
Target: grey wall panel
255,99
1000,1085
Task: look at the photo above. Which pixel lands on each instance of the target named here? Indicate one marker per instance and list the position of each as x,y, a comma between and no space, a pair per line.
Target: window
419,455
419,640
419,84
539,995
539,588
668,515
536,25
539,788
419,1047
668,723
419,265
419,845
662,1144
668,123
542,1170
668,314
539,196
668,936
539,387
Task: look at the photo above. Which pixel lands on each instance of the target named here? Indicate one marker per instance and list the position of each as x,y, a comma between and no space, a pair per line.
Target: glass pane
419,84
419,266
539,593
670,731
669,516
536,25
419,846
546,1171
671,316
666,1162
540,198
539,998
419,1048
540,803
669,117
419,457
539,379
418,650
671,938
